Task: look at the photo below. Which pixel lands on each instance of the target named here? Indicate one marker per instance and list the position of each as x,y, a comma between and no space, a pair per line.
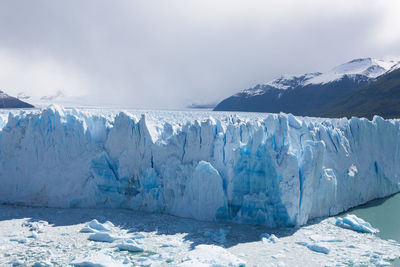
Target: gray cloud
167,54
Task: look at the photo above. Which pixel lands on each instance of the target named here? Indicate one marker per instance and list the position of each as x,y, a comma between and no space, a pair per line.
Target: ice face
270,169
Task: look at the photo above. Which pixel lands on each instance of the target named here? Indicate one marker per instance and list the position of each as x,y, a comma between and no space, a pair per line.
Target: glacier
270,169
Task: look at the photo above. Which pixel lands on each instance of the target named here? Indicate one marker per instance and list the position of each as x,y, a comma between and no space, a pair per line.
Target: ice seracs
269,169
204,192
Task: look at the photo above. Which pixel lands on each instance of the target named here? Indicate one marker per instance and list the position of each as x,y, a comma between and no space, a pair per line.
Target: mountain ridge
7,101
307,94
380,97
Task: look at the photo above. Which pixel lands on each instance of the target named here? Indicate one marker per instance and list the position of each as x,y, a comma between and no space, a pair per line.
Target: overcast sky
168,54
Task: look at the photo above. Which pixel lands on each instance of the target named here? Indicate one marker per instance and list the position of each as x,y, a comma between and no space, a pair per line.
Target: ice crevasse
270,169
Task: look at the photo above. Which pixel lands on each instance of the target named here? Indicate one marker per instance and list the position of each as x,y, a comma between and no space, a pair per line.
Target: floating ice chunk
168,257
167,245
86,229
42,264
102,237
129,245
146,261
108,225
33,235
126,261
36,226
357,224
210,255
21,240
16,262
94,226
96,260
380,262
317,247
137,235
267,238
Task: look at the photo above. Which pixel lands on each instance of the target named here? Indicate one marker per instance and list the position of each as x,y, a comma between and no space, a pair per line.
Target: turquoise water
383,214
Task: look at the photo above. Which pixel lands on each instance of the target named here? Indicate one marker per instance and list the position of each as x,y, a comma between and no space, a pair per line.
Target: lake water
383,214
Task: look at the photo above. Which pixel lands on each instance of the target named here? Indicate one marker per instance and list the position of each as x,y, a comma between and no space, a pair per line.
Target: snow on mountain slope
270,169
290,81
364,68
395,67
3,95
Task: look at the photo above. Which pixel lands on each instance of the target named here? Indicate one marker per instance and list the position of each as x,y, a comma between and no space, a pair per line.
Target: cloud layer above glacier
167,54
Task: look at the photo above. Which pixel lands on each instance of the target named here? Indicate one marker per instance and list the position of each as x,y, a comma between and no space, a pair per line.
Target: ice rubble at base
270,169
62,243
202,255
107,232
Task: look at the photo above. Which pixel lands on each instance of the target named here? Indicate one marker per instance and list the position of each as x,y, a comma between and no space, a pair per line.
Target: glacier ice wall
270,169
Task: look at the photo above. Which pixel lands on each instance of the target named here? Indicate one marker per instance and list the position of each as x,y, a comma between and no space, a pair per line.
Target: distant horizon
60,99
178,53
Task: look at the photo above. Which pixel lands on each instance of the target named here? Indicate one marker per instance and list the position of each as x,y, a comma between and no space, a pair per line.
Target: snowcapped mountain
368,68
363,68
7,101
303,94
380,97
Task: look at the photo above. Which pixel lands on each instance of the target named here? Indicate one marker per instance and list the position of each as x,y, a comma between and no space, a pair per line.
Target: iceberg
269,169
356,224
129,245
316,247
96,260
103,237
95,226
